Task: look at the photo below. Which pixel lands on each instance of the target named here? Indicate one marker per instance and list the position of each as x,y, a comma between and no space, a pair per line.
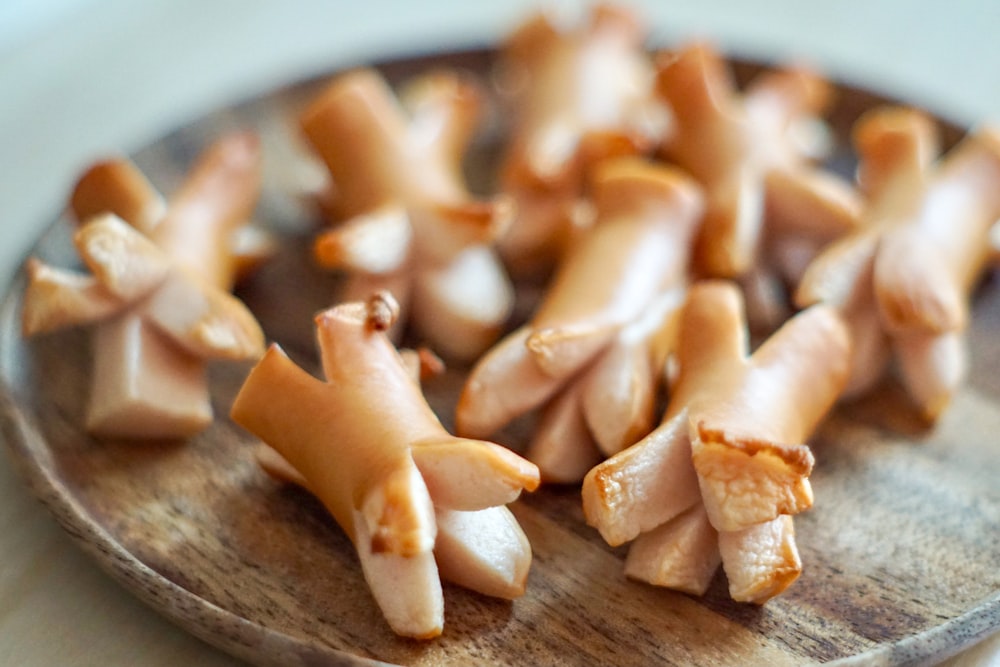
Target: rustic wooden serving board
901,551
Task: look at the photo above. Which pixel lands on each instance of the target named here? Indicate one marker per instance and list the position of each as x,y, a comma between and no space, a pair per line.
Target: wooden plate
901,552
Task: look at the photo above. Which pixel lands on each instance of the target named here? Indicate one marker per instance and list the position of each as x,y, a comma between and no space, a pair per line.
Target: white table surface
81,78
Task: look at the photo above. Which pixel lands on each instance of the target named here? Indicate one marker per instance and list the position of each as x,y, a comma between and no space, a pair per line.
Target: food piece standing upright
753,153
403,218
904,278
729,458
411,497
577,95
157,289
611,297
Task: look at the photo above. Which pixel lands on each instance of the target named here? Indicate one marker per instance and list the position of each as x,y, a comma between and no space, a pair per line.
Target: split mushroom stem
217,197
278,394
637,248
761,560
610,404
905,276
56,298
579,95
730,441
735,431
361,133
123,266
463,305
748,154
143,385
699,89
206,321
647,215
896,147
841,275
405,220
156,292
681,554
800,369
621,387
588,87
379,156
368,445
712,142
483,550
924,271
643,486
127,398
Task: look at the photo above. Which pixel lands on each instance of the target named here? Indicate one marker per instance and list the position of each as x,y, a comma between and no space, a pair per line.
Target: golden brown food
410,496
748,153
904,278
601,323
404,220
731,442
578,95
157,289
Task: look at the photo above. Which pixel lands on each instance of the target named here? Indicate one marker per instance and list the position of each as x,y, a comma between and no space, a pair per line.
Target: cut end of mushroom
206,321
127,263
760,561
682,554
470,475
169,399
643,486
55,299
406,588
378,242
746,481
559,352
485,551
398,514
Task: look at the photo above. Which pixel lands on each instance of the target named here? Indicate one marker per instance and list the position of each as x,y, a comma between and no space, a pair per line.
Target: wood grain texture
901,551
